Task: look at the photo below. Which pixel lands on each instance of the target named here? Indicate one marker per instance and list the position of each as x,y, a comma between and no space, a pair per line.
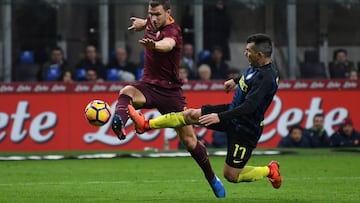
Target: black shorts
241,140
164,99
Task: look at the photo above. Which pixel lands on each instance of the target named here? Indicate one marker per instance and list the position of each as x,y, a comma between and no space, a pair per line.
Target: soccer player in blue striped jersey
242,119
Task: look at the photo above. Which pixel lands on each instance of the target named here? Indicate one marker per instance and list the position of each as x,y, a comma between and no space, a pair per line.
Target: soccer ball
97,112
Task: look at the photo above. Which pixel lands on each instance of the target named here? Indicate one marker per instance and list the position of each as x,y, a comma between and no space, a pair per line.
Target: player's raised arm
164,45
138,24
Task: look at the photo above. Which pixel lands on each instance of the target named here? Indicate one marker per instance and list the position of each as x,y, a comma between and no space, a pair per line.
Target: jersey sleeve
245,108
172,32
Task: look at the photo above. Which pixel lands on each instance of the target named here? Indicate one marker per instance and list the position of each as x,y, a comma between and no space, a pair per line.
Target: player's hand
137,24
209,119
146,42
229,85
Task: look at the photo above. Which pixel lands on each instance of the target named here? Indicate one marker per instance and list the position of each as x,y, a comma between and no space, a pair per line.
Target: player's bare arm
164,45
138,24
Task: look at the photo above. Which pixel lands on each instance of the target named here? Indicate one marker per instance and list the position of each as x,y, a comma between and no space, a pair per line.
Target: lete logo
44,121
288,117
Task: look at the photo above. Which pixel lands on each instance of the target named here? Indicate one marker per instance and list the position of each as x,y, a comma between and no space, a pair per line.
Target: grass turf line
309,176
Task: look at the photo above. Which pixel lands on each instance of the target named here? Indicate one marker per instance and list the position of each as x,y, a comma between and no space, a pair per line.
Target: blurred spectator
233,73
295,138
91,62
183,73
53,69
188,60
219,139
317,134
217,29
311,67
126,76
353,75
219,67
120,62
346,136
204,72
66,76
187,25
340,66
91,76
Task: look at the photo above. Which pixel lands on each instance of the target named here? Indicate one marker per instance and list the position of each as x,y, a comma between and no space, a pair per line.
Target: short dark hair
57,48
164,3
216,48
297,126
337,51
318,115
262,42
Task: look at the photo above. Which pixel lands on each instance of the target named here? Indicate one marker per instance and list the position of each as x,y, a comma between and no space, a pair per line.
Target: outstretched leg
199,154
128,95
169,120
254,173
187,136
236,169
121,116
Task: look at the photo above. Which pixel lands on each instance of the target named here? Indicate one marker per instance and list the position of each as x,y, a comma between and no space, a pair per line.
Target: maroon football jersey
162,69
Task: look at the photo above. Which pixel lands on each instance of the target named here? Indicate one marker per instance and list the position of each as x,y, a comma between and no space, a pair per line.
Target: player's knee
128,90
191,116
188,116
230,176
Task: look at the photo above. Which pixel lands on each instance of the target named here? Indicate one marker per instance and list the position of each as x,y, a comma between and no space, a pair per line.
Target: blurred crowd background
88,40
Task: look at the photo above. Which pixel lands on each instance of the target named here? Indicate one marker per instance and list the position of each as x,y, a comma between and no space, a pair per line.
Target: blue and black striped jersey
253,95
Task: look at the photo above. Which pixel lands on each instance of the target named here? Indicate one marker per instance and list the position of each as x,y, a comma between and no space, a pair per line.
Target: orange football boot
141,124
274,174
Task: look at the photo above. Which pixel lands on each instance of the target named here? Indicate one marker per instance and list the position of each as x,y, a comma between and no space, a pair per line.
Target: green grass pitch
308,176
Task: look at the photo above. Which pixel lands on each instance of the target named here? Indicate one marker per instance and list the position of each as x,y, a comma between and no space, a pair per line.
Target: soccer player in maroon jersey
160,86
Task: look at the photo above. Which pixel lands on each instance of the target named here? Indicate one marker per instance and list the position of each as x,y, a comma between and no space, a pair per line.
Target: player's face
158,16
252,55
